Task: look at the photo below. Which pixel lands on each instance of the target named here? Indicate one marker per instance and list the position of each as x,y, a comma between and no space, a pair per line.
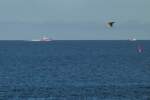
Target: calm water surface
74,70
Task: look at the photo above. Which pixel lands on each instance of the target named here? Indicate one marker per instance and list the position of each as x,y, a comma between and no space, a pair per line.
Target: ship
44,39
132,39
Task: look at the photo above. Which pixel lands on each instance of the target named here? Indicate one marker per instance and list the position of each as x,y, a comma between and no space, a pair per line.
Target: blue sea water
74,70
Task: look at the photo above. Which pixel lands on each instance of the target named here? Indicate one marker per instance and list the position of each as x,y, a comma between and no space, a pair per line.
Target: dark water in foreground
74,70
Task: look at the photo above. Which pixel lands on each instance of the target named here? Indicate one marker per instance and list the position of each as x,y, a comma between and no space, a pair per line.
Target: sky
74,19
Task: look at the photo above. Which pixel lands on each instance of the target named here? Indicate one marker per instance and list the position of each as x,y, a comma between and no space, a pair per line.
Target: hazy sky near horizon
74,19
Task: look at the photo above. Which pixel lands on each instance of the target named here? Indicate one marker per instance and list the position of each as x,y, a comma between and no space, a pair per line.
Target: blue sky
74,19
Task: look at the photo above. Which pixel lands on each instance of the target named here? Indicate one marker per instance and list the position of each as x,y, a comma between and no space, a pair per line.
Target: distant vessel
35,40
132,39
44,38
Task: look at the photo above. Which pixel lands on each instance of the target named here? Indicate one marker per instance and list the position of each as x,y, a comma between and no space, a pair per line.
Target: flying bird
110,24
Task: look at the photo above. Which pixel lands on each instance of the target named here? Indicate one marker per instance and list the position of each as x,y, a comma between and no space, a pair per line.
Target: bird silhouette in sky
110,24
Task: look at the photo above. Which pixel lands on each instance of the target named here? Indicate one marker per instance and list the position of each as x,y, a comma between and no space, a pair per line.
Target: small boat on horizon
44,38
132,39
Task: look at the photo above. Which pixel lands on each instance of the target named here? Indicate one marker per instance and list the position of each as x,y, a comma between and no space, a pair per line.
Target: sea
75,70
